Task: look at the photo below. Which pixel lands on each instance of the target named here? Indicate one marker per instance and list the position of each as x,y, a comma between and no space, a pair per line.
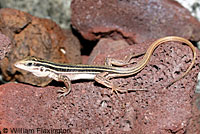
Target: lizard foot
63,92
117,90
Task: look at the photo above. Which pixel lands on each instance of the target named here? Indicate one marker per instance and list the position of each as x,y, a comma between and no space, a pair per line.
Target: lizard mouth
17,64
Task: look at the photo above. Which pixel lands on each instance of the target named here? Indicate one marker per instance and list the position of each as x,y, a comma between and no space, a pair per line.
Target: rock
43,9
32,36
4,45
136,21
194,126
71,47
84,59
161,68
106,46
91,108
22,104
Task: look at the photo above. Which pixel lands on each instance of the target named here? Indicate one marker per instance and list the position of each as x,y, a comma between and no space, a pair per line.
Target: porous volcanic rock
33,36
91,108
4,45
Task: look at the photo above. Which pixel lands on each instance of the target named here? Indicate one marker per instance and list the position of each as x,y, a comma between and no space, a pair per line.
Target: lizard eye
29,64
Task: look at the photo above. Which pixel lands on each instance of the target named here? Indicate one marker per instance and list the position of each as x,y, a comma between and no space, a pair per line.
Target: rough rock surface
106,46
4,45
91,108
194,125
32,36
137,21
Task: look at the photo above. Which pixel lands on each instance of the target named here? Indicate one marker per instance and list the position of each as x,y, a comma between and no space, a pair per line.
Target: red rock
106,46
22,104
193,126
4,45
171,110
136,21
91,108
32,36
85,59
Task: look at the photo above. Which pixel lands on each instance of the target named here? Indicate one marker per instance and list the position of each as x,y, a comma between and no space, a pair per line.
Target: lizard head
33,65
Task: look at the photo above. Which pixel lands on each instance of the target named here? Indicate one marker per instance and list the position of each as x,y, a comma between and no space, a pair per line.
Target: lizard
100,73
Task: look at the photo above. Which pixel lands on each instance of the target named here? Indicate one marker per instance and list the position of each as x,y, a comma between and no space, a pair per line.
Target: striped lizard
100,73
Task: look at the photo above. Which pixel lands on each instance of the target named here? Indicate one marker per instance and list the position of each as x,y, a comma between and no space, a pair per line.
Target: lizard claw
117,90
64,92
114,90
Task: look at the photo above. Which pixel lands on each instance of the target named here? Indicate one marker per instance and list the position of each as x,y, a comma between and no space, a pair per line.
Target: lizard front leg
64,90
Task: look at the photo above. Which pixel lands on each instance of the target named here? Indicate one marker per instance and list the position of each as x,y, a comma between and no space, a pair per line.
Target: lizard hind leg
104,79
126,61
